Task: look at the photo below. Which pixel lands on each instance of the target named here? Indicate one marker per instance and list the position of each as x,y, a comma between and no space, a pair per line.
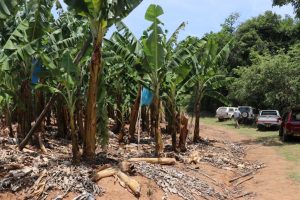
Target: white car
223,113
268,119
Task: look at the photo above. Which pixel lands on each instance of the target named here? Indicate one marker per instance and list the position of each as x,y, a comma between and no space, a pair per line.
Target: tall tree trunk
134,114
75,148
91,111
156,121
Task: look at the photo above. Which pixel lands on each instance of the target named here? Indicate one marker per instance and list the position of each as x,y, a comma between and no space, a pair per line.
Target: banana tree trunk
119,120
80,118
152,119
183,129
111,112
168,118
40,105
172,127
38,121
119,126
8,122
91,112
145,119
25,112
75,149
62,120
197,122
156,122
134,114
170,115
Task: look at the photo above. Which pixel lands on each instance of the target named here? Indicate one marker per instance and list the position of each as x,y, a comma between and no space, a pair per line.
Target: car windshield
296,115
244,109
269,112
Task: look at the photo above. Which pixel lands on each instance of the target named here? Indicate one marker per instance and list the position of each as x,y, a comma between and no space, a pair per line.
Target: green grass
295,176
244,130
290,151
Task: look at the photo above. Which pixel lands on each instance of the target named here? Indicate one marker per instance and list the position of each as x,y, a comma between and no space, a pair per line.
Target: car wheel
220,119
244,114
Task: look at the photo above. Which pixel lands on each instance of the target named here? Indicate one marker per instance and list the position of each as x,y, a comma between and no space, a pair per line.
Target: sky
203,16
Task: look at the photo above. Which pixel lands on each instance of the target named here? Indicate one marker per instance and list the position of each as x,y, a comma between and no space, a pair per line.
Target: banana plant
7,8
207,76
175,96
124,53
154,48
101,15
7,98
68,75
32,19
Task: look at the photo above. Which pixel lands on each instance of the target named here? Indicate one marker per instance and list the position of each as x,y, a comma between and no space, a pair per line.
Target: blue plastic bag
147,97
37,69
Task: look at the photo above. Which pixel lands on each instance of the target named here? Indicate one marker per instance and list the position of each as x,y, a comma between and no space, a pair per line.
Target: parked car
247,114
290,125
223,113
268,119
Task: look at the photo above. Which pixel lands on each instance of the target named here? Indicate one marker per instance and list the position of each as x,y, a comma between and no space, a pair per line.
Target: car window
269,112
244,109
296,115
222,109
230,109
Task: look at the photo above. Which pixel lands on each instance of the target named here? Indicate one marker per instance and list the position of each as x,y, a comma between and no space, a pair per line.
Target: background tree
271,82
295,3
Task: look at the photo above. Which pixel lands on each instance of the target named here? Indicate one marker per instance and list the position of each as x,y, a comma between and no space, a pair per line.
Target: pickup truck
290,124
268,119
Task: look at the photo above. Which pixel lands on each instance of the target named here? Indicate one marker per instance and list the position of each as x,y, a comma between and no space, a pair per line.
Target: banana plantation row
66,72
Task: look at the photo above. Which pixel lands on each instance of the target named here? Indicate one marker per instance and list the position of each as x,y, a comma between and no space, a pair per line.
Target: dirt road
270,183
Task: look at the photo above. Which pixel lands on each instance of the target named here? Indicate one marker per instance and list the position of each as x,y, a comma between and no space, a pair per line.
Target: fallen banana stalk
104,173
132,184
162,161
